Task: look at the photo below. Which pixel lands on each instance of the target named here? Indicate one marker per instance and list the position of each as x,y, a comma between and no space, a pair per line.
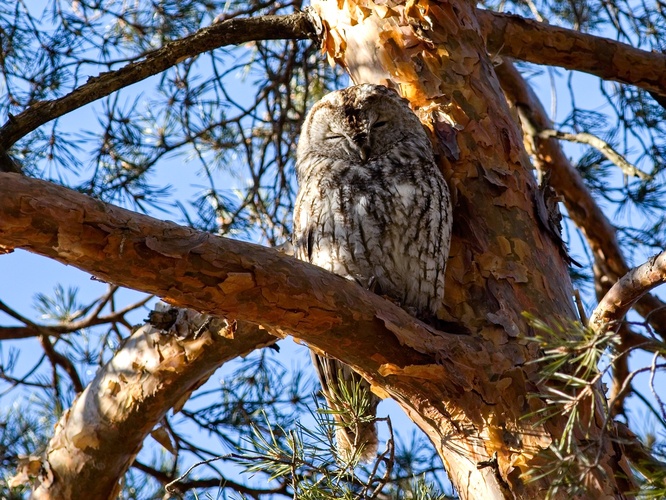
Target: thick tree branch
229,32
630,288
505,34
260,285
539,43
97,439
198,270
567,181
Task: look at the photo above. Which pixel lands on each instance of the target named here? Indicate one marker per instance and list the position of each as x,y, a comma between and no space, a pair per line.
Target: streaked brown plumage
372,207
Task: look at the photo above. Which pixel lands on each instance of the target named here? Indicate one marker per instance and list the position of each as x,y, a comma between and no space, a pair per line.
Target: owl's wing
353,405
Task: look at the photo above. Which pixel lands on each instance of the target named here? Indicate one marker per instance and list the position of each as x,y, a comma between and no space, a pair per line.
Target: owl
374,208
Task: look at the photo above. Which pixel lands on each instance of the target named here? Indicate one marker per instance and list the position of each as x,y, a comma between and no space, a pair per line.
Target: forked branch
152,372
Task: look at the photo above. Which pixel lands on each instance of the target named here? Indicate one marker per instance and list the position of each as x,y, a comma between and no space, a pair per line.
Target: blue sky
22,274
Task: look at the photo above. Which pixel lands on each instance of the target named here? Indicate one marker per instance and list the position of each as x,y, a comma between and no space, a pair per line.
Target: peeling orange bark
567,181
502,262
402,357
97,439
468,391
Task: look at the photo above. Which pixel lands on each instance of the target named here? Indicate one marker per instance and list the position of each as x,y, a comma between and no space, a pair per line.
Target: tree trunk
503,262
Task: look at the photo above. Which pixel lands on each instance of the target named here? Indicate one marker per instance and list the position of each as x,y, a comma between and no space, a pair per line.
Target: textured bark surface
468,391
426,370
97,439
540,43
567,181
503,262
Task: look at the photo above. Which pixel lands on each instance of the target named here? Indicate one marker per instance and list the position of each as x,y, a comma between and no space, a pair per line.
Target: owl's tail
353,406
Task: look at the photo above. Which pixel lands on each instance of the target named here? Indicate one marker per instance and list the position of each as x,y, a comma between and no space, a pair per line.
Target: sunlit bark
97,439
503,261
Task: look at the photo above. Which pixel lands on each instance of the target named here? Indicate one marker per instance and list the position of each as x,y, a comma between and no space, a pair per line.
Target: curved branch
229,32
198,270
540,43
567,181
505,34
426,371
630,288
97,439
32,329
600,145
183,486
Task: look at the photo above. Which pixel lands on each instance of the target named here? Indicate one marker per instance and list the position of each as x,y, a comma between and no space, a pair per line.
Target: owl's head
359,124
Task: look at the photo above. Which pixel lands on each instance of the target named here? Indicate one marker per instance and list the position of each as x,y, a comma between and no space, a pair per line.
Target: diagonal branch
508,35
229,32
600,145
217,275
32,329
567,181
540,43
631,287
97,439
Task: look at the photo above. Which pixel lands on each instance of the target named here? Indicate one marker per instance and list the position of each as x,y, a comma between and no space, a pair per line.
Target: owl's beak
361,145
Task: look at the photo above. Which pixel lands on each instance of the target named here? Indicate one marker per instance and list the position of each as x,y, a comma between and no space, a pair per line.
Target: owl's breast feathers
378,222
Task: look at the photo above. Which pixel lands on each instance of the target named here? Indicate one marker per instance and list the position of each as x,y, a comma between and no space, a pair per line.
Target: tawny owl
372,207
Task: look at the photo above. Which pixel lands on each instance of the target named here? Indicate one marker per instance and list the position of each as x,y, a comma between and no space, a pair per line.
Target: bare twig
59,359
32,329
600,145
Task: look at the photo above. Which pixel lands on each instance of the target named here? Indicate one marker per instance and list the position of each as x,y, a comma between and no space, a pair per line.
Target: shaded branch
540,43
640,456
181,485
567,181
631,287
58,359
229,32
32,329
